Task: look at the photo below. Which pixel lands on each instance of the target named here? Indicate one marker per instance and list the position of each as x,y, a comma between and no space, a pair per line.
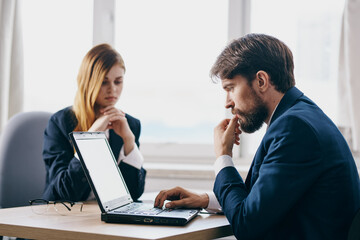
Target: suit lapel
254,169
249,178
289,99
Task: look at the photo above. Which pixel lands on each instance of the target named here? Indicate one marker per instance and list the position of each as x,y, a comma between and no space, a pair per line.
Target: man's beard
253,120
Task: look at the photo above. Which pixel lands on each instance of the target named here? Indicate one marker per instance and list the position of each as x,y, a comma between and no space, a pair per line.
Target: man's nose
229,102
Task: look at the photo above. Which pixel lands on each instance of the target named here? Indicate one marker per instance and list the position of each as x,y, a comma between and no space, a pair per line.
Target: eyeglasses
41,206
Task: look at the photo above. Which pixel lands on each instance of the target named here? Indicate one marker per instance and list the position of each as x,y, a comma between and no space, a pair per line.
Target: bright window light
168,48
311,29
56,36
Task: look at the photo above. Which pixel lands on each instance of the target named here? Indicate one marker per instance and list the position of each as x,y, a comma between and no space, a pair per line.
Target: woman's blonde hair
94,67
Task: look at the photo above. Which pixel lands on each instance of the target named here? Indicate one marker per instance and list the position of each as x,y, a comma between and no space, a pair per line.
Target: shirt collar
272,114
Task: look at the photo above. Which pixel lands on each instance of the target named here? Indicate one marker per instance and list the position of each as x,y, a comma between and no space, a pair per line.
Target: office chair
22,170
354,231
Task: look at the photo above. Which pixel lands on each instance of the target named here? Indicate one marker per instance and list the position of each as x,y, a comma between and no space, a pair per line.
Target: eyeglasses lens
39,207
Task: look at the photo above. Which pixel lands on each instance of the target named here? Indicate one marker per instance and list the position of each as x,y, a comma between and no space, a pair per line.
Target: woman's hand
101,124
118,122
113,118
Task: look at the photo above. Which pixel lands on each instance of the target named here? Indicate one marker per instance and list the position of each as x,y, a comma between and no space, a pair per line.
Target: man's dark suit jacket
65,178
302,184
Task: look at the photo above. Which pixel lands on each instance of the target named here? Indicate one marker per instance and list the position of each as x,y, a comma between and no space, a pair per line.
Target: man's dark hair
254,52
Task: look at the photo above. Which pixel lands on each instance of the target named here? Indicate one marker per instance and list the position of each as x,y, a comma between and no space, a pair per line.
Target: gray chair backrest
22,169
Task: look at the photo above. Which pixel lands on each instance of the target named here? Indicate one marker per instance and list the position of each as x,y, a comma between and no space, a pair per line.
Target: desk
22,222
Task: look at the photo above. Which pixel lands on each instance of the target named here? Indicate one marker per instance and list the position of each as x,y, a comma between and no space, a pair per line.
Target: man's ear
262,80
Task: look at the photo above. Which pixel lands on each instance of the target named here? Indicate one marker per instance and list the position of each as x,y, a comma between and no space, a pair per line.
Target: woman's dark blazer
65,179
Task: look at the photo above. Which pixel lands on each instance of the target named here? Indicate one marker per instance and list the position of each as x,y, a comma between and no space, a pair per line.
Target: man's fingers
232,124
176,203
224,124
180,197
237,129
171,194
158,200
231,128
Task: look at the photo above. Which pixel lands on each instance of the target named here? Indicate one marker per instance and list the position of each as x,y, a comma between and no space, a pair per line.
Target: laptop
110,190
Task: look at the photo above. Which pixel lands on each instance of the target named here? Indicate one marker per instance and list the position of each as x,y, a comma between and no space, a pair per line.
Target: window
168,48
57,35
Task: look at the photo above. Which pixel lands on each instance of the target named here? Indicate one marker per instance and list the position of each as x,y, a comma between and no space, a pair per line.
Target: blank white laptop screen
100,164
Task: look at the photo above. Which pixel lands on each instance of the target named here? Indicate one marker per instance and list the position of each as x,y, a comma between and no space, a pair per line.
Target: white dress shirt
220,163
134,158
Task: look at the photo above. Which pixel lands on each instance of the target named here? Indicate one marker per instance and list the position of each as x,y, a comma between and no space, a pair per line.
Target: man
303,182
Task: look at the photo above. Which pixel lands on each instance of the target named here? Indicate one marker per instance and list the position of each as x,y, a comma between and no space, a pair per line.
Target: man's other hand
181,198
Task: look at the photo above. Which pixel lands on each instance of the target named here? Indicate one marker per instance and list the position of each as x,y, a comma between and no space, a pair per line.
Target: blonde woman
100,83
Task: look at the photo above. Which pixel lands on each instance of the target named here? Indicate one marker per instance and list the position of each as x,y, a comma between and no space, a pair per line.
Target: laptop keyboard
140,209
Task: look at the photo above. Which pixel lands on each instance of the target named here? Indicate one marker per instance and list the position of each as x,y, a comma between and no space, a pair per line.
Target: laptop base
152,220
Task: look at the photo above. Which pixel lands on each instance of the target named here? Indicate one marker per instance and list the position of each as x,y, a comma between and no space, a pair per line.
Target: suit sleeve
291,164
65,178
134,178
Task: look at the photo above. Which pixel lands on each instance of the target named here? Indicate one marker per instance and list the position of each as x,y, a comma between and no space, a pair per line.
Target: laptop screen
102,168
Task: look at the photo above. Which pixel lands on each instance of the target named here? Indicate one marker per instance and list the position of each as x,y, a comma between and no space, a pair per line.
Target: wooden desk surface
22,222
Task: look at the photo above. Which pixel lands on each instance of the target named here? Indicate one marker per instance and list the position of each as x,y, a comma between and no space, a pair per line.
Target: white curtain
349,74
11,60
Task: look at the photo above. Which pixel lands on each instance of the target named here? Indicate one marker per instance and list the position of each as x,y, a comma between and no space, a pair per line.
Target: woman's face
111,87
